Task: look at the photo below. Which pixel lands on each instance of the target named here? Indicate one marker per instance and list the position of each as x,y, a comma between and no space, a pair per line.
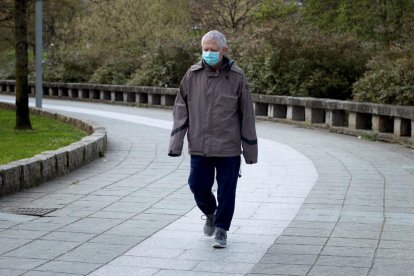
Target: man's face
211,46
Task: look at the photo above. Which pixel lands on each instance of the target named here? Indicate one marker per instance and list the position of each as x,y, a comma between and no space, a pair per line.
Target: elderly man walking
215,109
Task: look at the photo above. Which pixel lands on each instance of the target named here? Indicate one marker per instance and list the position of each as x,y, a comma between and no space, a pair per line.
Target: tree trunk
22,83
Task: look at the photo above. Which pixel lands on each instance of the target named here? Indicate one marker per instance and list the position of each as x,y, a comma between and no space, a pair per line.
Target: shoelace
221,235
209,221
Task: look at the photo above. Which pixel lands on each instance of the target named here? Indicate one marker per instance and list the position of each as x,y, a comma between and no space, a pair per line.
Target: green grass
47,134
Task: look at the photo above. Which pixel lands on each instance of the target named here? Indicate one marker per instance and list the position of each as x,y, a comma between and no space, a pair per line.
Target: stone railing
30,172
374,121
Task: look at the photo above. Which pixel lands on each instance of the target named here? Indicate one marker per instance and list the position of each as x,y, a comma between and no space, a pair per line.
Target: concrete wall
383,122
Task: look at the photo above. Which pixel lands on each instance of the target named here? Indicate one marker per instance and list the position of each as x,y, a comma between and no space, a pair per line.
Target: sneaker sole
218,245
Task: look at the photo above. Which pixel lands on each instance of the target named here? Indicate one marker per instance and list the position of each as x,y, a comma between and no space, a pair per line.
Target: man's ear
224,51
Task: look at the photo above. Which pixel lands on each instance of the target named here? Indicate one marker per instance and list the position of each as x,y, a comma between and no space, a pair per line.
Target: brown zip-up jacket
215,108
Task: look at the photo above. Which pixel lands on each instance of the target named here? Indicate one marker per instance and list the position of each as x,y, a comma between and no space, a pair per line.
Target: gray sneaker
209,225
220,239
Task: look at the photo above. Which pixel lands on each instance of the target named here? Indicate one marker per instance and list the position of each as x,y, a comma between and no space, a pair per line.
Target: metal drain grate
31,211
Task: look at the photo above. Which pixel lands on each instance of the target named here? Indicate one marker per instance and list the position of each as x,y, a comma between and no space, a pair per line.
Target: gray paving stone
117,239
91,225
348,251
257,230
191,273
264,239
359,243
385,267
68,267
221,256
46,273
11,272
295,249
68,236
38,226
143,223
337,271
112,215
42,249
111,270
279,269
156,252
8,244
315,232
398,236
318,218
159,263
344,261
399,254
126,207
392,244
355,234
94,253
366,208
166,211
17,234
128,230
290,259
223,267
301,240
20,263
312,224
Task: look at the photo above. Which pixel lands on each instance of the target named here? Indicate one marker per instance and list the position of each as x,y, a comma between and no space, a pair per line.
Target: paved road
317,203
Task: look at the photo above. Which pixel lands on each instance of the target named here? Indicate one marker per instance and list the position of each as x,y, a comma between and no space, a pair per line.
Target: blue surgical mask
211,58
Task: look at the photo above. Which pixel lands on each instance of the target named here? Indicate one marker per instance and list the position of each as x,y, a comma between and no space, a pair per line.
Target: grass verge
47,134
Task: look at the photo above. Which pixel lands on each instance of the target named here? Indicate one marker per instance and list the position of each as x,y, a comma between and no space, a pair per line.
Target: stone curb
30,172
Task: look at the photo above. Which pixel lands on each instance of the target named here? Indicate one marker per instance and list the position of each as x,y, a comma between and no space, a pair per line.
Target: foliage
292,59
318,49
275,10
390,78
87,52
47,134
7,68
230,16
379,21
165,68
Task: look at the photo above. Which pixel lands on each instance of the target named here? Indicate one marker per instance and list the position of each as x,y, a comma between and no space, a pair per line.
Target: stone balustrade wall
30,172
375,121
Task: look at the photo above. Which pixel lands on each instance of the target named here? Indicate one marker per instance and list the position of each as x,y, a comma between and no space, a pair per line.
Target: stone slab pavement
317,203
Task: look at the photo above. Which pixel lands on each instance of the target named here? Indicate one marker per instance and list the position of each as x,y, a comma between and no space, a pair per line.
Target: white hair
218,37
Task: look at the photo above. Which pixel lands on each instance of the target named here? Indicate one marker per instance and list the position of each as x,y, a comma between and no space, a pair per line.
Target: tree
230,15
22,83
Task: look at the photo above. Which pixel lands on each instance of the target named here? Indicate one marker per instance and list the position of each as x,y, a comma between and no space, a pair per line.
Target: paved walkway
317,204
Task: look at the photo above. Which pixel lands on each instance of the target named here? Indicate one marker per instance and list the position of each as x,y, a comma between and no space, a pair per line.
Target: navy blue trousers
201,181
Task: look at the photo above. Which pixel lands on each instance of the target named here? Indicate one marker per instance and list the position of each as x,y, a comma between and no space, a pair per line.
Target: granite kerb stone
31,172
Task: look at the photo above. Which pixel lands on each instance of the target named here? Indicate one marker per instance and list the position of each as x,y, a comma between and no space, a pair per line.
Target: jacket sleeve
248,128
180,125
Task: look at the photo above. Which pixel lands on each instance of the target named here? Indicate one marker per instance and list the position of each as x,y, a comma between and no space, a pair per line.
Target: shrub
390,79
115,73
62,65
165,68
293,59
